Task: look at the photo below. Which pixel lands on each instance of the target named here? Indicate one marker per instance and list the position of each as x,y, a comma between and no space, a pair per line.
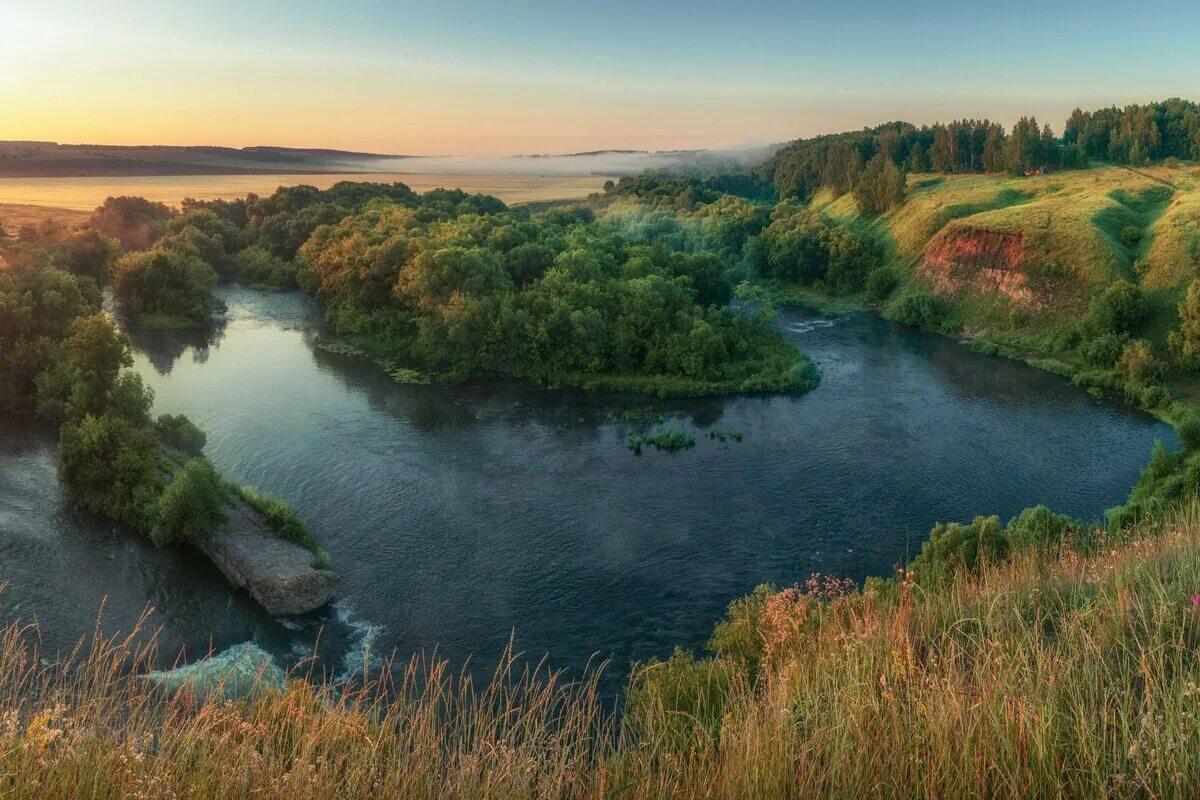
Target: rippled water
459,515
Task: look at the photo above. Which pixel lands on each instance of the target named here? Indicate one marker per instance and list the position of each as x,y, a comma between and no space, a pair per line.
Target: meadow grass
1070,672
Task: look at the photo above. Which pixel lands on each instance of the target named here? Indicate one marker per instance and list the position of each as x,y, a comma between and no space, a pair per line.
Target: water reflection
164,348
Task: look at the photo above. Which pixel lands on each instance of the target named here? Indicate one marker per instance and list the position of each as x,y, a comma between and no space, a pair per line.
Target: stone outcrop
978,260
277,573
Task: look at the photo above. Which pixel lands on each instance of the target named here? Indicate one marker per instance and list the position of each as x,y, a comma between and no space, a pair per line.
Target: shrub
923,310
111,468
179,432
739,635
1131,235
1139,366
1188,430
880,285
680,701
954,546
1185,342
190,504
1103,351
258,268
1120,308
171,284
1041,528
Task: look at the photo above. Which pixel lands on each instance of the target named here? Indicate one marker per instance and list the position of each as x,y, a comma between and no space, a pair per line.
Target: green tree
1185,342
82,382
1119,308
880,187
1139,365
190,505
168,286
111,468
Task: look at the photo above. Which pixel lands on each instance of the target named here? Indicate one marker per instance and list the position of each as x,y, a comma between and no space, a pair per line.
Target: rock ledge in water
277,573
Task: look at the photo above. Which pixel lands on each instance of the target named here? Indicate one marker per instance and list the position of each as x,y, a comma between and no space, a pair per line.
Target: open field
14,215
84,194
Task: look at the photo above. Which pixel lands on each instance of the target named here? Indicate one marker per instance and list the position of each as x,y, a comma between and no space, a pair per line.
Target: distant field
14,215
84,194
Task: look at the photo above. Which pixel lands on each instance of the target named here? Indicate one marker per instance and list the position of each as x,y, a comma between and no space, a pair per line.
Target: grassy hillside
1068,671
1043,245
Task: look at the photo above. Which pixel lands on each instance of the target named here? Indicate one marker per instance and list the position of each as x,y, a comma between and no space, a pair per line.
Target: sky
522,76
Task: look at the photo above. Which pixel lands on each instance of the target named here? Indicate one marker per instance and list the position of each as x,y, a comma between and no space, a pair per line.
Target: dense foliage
461,285
38,306
167,286
802,246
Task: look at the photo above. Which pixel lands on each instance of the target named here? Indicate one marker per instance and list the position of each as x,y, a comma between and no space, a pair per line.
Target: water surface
460,515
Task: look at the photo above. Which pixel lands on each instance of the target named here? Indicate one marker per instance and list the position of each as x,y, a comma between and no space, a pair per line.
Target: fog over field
612,163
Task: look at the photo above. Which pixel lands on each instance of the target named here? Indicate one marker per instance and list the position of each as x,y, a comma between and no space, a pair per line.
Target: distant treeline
1136,134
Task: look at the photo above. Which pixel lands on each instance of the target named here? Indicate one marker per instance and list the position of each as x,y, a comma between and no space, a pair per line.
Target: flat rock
277,573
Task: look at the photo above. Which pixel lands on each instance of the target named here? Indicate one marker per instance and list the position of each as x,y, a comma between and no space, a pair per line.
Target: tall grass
1065,673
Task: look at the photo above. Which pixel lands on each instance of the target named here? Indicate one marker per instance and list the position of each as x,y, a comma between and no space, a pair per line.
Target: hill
53,160
1041,246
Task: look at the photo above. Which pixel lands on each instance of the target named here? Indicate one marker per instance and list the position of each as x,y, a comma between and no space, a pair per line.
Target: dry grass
14,215
1061,675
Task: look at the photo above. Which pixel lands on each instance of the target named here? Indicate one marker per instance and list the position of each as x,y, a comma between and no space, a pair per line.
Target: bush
258,268
680,701
923,310
111,468
190,505
174,285
1041,528
738,636
1131,235
1120,308
1103,351
953,546
880,285
1188,430
1139,366
179,432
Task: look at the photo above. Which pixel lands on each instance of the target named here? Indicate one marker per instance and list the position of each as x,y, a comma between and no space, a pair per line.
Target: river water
462,515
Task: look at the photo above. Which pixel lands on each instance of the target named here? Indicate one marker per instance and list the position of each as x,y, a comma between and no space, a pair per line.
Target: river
460,515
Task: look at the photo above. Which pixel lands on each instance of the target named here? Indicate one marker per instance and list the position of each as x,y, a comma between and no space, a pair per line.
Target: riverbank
1172,408
1011,681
